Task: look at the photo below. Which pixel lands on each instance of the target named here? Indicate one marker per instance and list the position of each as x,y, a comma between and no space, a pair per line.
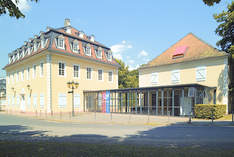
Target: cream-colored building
38,72
188,62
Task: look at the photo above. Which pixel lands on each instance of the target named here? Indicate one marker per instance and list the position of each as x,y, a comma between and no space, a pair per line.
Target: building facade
189,72
38,72
190,61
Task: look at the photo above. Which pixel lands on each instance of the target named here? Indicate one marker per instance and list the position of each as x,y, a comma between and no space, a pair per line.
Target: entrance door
186,107
22,104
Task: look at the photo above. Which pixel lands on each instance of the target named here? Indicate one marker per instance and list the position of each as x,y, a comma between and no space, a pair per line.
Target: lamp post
72,85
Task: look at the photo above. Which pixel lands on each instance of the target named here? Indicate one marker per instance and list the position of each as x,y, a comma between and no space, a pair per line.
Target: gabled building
38,71
188,61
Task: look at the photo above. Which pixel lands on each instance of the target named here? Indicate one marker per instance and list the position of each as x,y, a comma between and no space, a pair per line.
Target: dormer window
75,46
81,34
108,55
35,46
60,42
179,52
98,53
87,50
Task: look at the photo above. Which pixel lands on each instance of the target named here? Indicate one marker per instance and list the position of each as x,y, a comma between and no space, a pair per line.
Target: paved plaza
129,129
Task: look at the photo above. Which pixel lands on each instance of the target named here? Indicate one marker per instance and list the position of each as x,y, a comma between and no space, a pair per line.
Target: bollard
212,115
190,117
232,116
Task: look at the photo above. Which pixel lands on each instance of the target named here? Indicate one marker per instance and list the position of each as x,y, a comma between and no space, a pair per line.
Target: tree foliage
127,79
226,29
211,2
10,7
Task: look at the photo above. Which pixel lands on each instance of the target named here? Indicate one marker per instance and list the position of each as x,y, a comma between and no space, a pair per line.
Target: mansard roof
189,48
50,37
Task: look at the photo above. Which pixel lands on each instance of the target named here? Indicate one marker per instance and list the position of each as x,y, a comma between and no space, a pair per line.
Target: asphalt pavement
176,134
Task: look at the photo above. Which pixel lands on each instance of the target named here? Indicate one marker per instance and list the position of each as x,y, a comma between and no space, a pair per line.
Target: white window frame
90,73
98,74
61,38
34,70
173,73
112,76
62,62
155,74
42,101
22,75
62,103
199,75
97,53
74,70
109,55
87,53
77,46
42,69
28,72
17,76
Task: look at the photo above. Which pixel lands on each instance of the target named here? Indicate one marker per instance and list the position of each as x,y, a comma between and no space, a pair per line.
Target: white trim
90,73
201,73
98,75
74,71
173,72
64,68
57,42
111,76
42,70
34,74
48,79
28,73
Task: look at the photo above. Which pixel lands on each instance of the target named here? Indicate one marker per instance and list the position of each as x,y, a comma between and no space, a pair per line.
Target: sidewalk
126,119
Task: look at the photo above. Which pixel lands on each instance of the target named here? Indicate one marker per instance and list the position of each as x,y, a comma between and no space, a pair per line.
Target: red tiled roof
195,49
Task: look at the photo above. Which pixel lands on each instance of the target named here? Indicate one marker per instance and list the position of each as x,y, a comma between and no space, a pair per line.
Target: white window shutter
201,74
154,78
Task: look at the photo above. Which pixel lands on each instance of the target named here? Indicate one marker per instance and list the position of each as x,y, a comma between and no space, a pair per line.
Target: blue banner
107,101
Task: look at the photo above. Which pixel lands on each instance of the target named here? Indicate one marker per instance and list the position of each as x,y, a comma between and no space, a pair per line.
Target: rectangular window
35,100
61,43
42,101
34,71
99,74
76,72
62,100
22,75
75,47
76,100
175,76
28,100
201,73
154,78
110,74
61,69
28,73
17,76
87,50
89,73
41,69
98,53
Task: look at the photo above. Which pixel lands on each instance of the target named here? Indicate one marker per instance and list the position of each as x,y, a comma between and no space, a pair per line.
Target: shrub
205,111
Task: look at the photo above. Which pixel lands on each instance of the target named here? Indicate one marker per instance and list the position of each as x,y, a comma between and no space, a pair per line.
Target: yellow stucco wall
16,89
59,83
216,69
40,85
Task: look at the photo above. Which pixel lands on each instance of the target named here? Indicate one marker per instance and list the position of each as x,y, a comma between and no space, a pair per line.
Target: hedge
205,111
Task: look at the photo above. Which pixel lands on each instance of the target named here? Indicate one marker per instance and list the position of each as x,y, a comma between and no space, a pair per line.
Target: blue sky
136,30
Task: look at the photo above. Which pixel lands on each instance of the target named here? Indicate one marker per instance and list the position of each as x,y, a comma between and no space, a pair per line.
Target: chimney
92,38
67,22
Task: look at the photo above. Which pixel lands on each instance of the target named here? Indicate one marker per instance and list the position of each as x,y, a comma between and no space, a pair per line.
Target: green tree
226,29
8,6
211,2
127,79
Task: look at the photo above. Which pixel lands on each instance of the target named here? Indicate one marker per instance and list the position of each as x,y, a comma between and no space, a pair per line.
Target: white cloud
133,67
118,49
23,5
143,53
131,61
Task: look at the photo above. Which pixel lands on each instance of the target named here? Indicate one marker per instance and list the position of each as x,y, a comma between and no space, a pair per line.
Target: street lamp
72,85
